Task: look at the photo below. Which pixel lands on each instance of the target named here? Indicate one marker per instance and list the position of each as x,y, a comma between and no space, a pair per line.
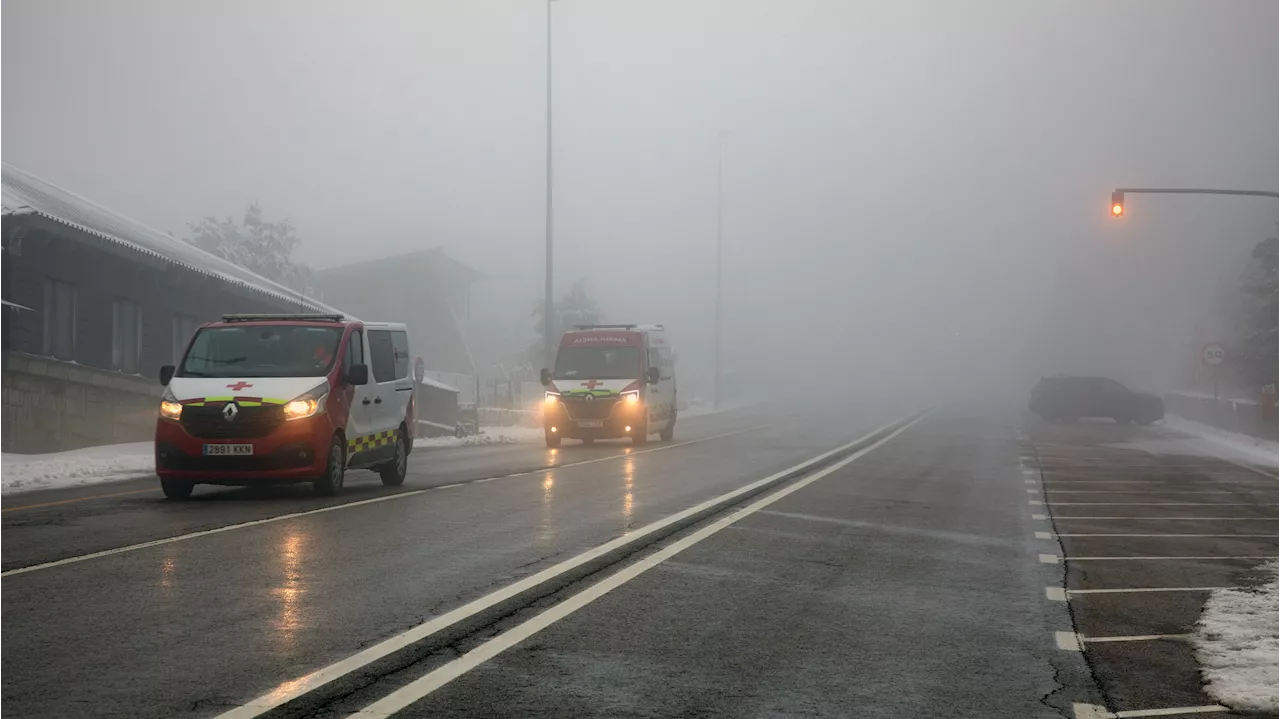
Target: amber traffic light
1117,204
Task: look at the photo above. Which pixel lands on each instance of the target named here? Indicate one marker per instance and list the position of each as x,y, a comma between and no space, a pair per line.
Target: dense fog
912,194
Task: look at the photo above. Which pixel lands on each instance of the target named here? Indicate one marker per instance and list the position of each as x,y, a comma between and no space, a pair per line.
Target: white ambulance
611,381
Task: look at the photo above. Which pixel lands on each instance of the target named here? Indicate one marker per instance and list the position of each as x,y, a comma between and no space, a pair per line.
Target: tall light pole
548,307
715,396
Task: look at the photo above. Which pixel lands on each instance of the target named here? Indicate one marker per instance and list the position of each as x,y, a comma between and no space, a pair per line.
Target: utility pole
548,307
715,397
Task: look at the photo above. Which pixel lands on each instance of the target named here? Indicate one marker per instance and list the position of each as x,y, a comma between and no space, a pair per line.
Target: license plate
590,423
220,450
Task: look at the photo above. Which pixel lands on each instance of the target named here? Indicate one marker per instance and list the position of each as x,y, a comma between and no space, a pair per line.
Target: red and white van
611,381
286,398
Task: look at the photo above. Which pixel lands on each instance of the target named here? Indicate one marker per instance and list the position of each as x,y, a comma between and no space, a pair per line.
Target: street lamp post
715,396
548,307
1117,196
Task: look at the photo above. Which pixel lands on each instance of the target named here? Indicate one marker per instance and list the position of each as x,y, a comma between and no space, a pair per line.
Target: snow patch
1240,446
1235,642
91,465
488,435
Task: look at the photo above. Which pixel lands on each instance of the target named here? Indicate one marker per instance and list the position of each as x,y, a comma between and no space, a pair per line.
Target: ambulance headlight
551,398
631,397
170,407
306,405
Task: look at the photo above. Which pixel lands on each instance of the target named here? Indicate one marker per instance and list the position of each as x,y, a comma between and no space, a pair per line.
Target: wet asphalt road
905,584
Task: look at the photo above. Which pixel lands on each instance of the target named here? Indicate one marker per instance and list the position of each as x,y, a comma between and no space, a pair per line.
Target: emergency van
610,381
286,398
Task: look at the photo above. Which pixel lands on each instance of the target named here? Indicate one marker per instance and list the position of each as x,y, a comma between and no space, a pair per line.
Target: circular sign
1213,354
419,368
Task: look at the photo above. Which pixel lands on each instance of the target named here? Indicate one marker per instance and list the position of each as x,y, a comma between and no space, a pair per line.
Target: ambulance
610,381
286,398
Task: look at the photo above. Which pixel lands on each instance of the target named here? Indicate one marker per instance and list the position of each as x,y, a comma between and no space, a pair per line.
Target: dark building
102,301
426,290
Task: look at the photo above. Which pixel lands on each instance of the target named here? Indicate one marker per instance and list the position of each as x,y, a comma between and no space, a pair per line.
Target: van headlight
170,407
307,405
551,398
631,396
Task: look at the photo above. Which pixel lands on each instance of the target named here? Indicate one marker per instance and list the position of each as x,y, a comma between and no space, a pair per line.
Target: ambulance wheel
669,431
393,472
641,435
178,489
330,483
553,440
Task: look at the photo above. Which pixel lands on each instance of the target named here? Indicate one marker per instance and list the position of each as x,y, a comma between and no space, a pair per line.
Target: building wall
51,405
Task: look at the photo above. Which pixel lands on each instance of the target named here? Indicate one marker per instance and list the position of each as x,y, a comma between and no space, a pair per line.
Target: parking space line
1067,641
1036,503
1134,638
1050,559
1172,711
1141,590
1077,534
1040,516
1124,559
1044,535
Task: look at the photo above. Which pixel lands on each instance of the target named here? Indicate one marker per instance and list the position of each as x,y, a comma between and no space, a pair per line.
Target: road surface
870,562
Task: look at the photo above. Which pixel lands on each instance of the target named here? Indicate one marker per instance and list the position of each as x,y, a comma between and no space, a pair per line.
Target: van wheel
553,440
178,489
334,472
393,472
641,435
669,431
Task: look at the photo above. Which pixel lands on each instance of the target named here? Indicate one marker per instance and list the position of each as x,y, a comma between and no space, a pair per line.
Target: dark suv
1070,398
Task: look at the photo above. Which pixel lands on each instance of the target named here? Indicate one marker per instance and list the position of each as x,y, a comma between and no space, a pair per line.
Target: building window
126,342
183,329
59,319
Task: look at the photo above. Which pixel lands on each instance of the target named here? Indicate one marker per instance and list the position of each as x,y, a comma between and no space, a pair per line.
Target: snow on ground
27,472
488,435
1239,446
1235,642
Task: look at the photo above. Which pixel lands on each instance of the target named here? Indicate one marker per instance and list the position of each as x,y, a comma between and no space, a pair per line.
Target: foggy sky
915,189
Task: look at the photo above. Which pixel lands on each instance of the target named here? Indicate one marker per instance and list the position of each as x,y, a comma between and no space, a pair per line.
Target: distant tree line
256,244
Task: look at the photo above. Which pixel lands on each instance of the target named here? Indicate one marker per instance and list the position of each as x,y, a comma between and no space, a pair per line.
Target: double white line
554,577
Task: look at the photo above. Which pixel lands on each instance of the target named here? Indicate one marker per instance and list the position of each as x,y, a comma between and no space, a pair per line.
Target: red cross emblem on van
592,384
238,386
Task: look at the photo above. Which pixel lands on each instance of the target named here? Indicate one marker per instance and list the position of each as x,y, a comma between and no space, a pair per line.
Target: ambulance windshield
261,351
598,363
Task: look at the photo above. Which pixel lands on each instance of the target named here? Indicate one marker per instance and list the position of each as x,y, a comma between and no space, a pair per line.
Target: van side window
400,345
383,355
355,348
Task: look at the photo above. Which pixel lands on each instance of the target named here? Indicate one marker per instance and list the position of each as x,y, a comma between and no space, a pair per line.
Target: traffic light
1117,204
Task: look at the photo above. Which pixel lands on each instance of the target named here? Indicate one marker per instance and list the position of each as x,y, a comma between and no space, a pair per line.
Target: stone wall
52,406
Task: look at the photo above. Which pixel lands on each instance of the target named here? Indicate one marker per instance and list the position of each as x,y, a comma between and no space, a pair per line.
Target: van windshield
598,363
261,351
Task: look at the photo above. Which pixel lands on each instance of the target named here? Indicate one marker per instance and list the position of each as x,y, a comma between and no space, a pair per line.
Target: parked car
1067,399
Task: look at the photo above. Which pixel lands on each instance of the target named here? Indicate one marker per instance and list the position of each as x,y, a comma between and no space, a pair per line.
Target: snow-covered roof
15,306
26,194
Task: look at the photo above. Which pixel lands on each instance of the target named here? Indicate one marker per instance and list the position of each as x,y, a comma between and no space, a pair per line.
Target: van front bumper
296,451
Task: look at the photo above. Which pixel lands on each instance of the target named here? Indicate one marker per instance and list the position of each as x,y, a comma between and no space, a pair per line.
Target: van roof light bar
283,317
604,327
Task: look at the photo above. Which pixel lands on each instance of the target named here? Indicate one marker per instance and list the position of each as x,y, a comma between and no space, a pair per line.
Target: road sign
419,368
1213,354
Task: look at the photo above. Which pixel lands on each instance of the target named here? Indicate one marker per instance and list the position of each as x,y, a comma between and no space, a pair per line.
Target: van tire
394,472
334,470
553,440
669,432
640,436
177,489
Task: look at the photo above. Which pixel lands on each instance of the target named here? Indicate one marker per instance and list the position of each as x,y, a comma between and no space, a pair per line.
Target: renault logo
230,411
590,398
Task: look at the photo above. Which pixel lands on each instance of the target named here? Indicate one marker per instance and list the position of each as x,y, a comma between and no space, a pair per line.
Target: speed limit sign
1213,354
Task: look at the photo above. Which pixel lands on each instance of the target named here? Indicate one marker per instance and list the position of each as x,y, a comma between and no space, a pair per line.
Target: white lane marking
1122,559
1158,491
1050,559
1171,711
1055,594
1030,481
1183,519
488,479
1164,504
1134,638
1142,590
1174,482
1033,491
436,678
292,689
1077,534
449,486
332,508
1044,535
1039,516
1036,503
1067,641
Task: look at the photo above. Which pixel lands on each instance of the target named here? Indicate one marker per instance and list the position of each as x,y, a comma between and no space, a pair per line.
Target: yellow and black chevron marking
370,441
